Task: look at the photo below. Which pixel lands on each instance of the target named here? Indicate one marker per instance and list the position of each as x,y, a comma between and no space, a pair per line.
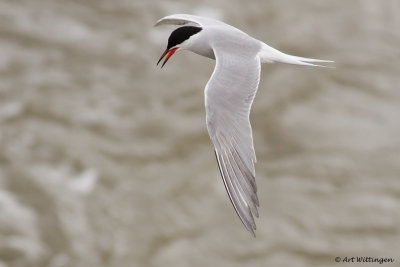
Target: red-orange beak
168,53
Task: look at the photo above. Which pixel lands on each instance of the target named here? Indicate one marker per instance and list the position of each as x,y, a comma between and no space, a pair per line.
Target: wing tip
248,222
253,234
175,19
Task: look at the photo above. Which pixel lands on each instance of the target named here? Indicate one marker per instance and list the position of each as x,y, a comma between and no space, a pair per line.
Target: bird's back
227,39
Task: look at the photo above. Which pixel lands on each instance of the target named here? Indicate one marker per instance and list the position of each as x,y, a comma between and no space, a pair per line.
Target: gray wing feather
182,19
229,95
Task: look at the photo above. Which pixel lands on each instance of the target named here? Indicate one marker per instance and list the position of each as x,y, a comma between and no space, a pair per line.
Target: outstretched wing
229,95
182,19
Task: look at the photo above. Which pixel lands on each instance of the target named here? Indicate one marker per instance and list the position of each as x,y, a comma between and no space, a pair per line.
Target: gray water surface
105,159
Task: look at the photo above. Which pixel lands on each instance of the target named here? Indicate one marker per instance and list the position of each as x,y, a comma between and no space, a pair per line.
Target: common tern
229,95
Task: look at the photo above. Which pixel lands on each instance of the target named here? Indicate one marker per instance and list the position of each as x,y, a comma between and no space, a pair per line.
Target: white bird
229,95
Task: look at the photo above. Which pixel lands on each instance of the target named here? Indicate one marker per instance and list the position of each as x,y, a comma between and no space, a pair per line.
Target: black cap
181,34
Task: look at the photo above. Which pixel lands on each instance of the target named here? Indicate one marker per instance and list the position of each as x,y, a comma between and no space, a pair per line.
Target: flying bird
229,95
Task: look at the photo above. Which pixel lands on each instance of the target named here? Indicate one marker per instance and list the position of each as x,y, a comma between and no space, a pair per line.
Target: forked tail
270,55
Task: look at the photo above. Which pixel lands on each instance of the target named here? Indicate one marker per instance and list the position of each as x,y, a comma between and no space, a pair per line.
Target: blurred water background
105,159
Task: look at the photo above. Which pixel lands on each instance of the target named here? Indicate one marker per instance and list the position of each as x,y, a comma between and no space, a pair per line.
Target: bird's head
179,39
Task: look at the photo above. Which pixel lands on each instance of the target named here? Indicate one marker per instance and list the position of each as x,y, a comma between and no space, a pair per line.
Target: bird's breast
203,49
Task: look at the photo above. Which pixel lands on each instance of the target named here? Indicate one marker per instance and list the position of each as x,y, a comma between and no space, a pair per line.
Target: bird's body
229,95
